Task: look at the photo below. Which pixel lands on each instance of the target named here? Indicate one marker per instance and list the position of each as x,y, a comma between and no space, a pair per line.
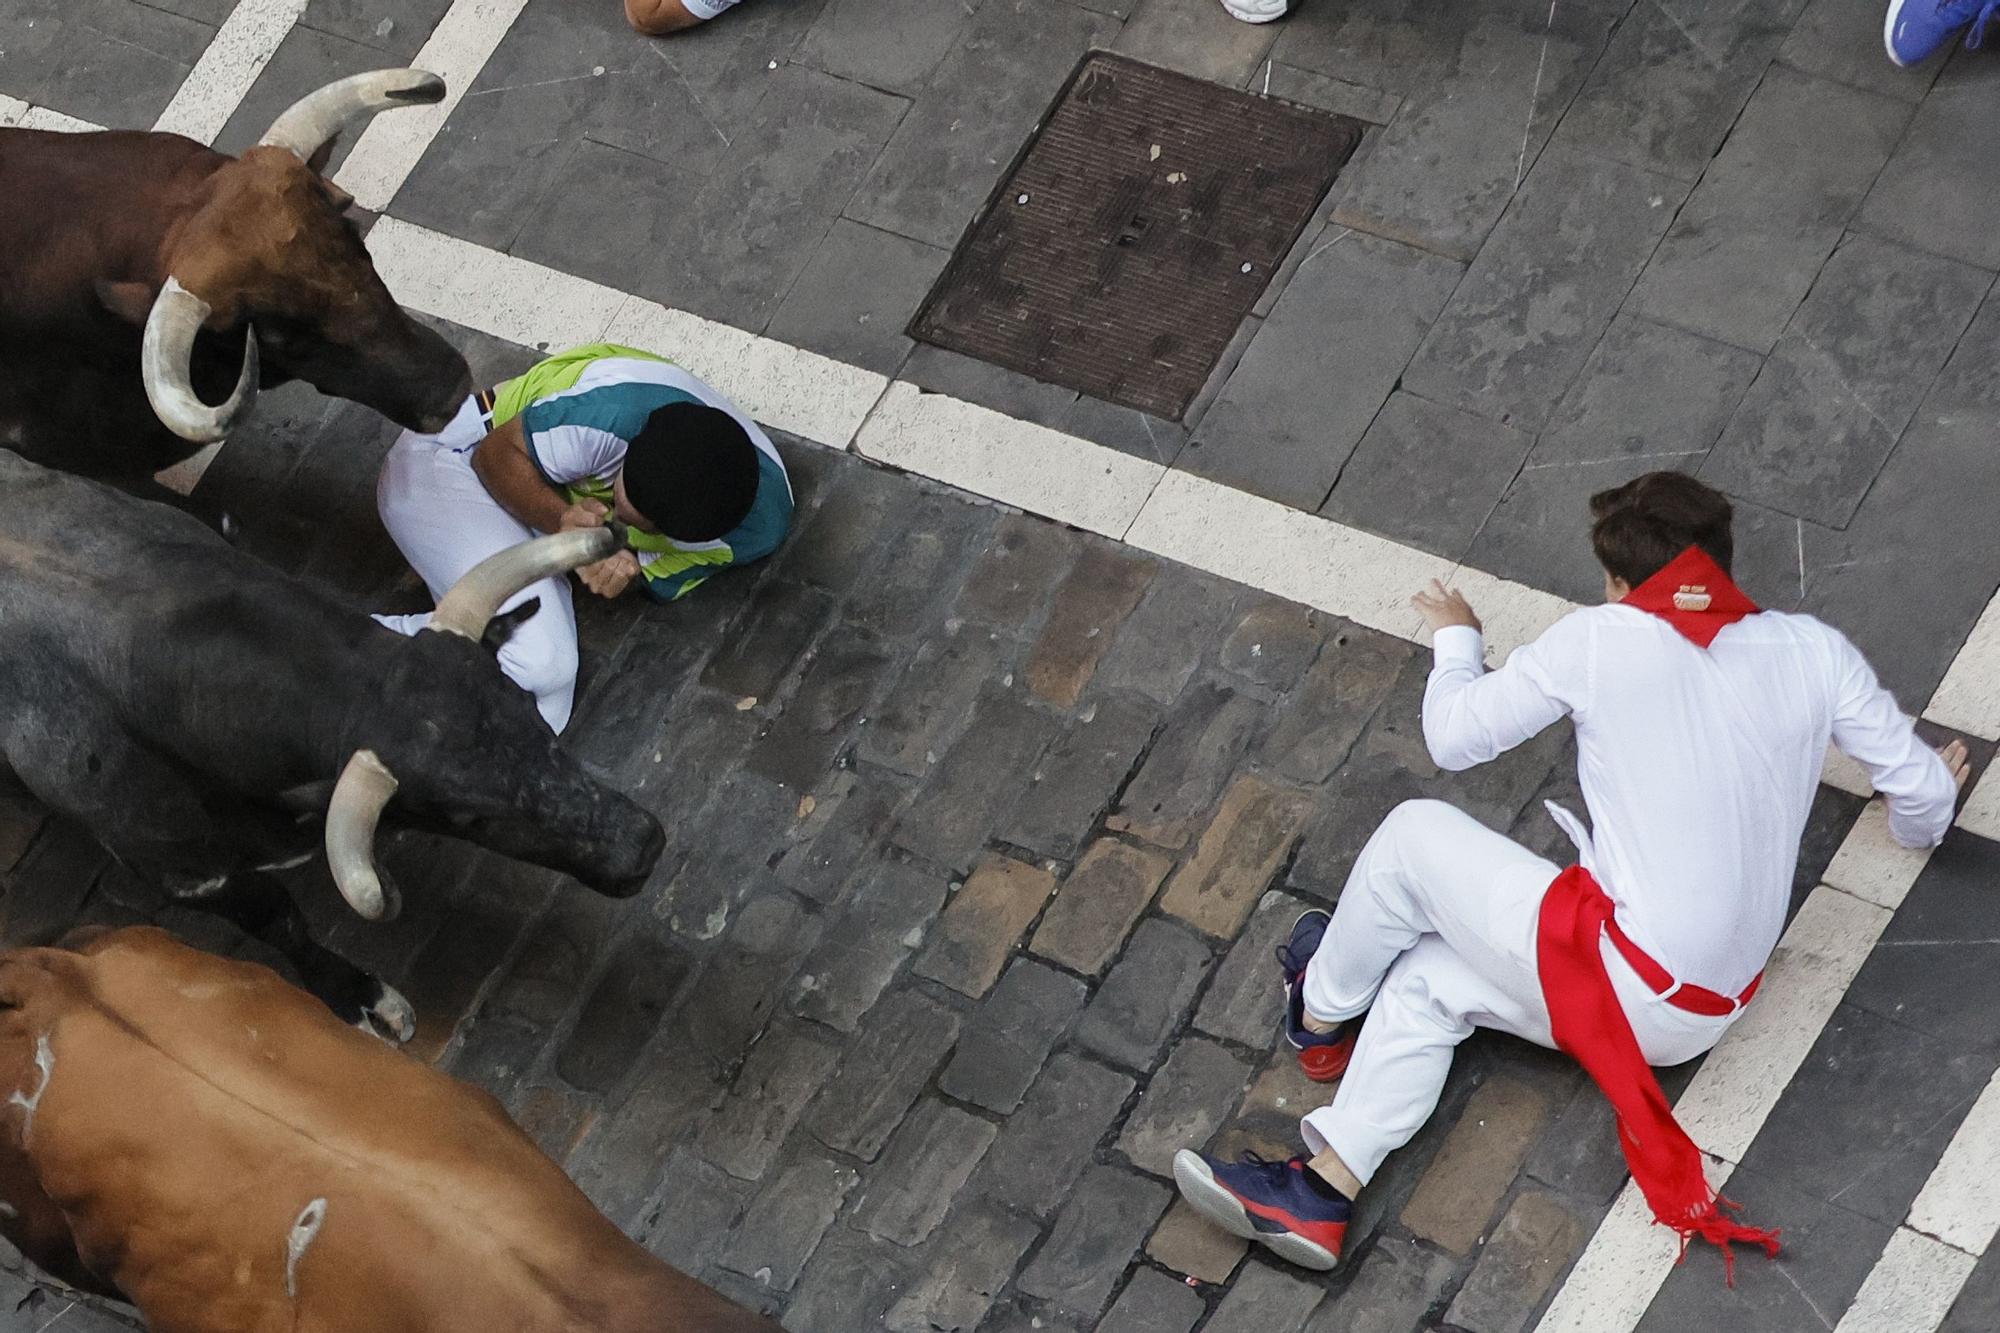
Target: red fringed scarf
1695,596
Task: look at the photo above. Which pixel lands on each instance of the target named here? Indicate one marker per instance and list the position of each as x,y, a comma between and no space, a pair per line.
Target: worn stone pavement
984,829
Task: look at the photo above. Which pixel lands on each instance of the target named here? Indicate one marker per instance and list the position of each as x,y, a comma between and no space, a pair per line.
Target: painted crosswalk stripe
222,78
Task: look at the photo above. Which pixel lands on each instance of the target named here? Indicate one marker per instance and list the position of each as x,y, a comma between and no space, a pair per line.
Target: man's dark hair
692,471
1638,528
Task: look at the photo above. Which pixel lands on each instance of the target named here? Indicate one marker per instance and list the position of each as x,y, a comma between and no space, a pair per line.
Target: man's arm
510,476
1919,785
1472,715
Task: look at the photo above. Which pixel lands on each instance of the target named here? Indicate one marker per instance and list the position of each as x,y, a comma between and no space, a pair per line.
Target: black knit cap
692,472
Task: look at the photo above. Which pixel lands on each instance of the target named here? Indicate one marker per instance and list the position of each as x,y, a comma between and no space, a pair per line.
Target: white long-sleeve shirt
1698,765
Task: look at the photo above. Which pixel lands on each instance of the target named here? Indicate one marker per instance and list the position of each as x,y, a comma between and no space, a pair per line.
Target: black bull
193,707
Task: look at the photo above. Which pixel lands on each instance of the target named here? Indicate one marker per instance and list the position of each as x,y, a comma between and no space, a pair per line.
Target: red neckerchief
1694,595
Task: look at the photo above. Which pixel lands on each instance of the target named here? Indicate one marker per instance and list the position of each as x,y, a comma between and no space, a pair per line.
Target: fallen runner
590,436
657,18
1701,726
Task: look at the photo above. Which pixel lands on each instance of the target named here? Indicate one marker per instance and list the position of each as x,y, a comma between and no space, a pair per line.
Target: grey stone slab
847,670
31,32
1273,643
850,1284
780,624
1264,1300
1828,1252
1868,1114
1152,1302
1844,380
1578,1153
920,566
688,1225
1010,1036
1363,103
1646,392
1398,46
1324,716
883,922
1165,638
1130,431
915,724
858,293
1195,37
1922,975
1016,573
907,1038
851,816
971,791
974,114
784,1223
836,545
1937,191
1248,997
211,12
1532,1245
1978,1306
305,60
921,1172
1207,732
1396,1287
1306,390
1081,773
1444,169
1094,1238
1541,293
742,829
1673,79
628,1149
892,44
118,63
1541,527
1842,40
397,27
1143,1000
1184,1105
1804,149
1735,277
1048,1141
1428,474
622,1011
966,1271
781,1075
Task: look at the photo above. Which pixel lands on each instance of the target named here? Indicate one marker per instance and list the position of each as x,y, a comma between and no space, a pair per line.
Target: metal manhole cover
1136,231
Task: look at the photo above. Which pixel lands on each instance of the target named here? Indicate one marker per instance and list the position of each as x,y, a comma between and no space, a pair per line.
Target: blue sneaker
1280,1205
1916,30
1322,1055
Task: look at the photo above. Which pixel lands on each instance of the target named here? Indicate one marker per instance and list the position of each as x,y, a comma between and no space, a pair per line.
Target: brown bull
208,1141
144,275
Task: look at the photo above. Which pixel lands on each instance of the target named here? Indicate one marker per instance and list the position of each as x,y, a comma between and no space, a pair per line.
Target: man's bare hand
585,514
1442,607
612,575
1958,761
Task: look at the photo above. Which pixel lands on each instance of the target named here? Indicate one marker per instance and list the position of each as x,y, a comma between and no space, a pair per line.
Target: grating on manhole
1136,230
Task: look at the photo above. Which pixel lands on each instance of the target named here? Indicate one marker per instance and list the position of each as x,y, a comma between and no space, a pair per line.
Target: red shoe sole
1325,1064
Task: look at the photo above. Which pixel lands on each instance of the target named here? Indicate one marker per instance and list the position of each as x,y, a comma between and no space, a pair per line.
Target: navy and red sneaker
1323,1055
1281,1205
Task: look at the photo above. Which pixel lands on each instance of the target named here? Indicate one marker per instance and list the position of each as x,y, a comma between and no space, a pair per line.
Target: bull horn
472,601
165,356
365,786
316,118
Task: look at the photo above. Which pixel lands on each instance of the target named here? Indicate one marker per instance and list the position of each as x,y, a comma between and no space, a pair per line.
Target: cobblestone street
986,814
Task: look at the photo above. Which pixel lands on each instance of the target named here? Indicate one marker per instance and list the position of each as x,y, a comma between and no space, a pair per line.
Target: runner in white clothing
657,18
1701,725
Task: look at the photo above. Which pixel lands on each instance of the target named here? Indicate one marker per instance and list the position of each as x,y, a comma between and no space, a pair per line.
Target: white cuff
1460,644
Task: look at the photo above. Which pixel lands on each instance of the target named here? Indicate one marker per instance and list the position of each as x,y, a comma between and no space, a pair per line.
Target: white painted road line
42,118
1910,1289
1981,814
223,76
390,148
1968,699
1960,1203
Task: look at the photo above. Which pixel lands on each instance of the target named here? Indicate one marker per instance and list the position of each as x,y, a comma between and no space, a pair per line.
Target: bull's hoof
389,1017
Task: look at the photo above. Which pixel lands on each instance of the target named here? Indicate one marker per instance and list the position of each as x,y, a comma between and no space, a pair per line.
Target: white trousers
1434,936
443,520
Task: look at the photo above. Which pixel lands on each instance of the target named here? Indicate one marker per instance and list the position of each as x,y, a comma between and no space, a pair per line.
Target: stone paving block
1319,721
1536,1240
1253,832
907,1037
784,1223
841,680
555,1118
1011,1035
1647,391
1734,277
1672,82
1978,1305
1396,46
1578,1153
923,563
1187,1100
1195,38
850,817
622,1012
780,1076
723,1012
862,286
1844,380
882,924
1267,1122
1248,997
626,1152
1394,484
1370,105
1937,190
445,980
1478,1162
847,41
689,1224
1094,1238
1092,603
1014,576
982,924
115,63
921,1173
1390,1294
964,129
1081,773
1098,904
1823,42
935,693
1147,994
1047,1143
836,544
1303,395
971,790
1189,1243
398,27
1274,643
743,829
1152,1302
850,1283
968,1269
48,885
776,631
1264,1300
1181,609
1207,732
1508,344
1447,165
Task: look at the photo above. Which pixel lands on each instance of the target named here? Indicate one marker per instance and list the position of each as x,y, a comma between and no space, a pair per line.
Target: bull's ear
501,628
321,156
130,301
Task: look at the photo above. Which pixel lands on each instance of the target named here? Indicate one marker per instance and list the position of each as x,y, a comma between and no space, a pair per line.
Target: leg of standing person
443,520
